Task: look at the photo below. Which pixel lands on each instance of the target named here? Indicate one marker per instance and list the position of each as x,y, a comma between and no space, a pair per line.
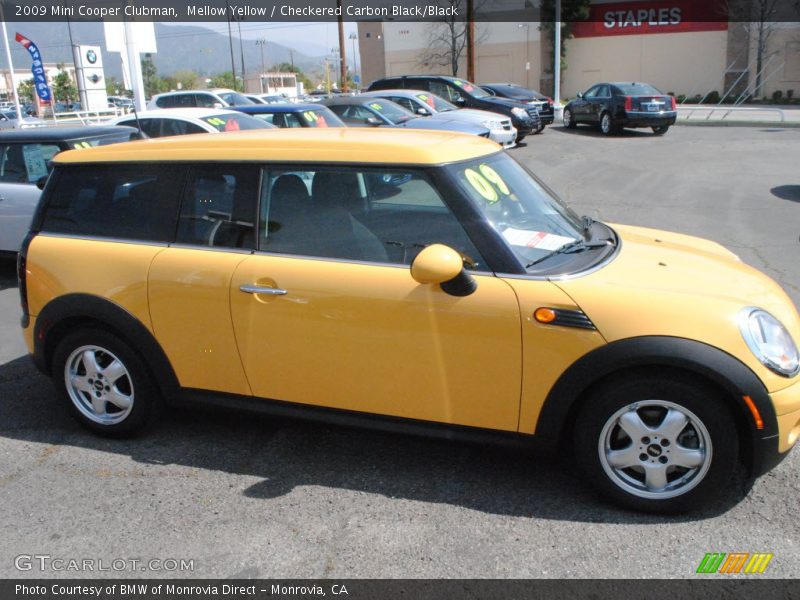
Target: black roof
60,133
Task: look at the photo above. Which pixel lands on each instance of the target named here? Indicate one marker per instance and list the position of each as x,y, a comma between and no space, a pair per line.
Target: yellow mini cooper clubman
405,279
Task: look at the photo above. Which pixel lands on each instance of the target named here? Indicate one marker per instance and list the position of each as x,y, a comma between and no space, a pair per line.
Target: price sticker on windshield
481,185
541,240
376,106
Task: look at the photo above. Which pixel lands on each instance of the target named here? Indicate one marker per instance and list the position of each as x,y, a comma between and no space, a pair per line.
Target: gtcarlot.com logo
46,562
737,562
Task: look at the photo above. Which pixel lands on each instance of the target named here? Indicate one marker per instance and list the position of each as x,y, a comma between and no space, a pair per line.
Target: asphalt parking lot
246,496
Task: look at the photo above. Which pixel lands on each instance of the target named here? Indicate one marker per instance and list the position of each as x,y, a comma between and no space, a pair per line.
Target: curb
779,124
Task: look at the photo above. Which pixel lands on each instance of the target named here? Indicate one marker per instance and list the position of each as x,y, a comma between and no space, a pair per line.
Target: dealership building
676,45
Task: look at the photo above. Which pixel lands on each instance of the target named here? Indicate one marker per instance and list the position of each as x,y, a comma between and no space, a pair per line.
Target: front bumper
635,118
772,450
507,138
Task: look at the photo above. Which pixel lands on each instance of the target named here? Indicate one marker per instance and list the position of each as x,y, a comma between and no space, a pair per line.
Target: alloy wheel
99,385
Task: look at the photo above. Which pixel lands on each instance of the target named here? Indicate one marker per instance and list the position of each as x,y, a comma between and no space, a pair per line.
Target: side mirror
41,182
374,121
441,264
218,105
580,95
460,101
423,111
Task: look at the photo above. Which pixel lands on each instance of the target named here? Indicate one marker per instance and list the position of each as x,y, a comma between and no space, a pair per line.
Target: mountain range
180,47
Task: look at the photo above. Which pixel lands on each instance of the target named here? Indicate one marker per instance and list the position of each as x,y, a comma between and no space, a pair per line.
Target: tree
189,80
63,88
114,86
447,38
571,11
224,80
152,82
25,90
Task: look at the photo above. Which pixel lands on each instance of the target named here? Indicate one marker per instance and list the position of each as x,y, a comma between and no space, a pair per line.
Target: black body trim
714,365
93,309
349,418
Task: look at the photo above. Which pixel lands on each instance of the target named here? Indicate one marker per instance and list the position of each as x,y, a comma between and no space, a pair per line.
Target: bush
777,95
680,98
789,94
712,98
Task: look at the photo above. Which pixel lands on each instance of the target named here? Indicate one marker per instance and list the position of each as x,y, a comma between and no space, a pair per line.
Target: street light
262,42
527,27
353,37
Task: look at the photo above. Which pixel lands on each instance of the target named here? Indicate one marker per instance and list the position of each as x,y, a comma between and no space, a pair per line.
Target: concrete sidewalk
707,114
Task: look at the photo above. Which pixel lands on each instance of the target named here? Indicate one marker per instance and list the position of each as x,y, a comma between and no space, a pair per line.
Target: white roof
172,113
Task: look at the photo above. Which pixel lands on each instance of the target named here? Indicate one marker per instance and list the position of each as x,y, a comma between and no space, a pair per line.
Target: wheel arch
676,356
64,314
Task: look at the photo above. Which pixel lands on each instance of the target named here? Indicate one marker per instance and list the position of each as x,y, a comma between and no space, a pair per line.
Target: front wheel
660,129
106,385
539,128
658,444
568,119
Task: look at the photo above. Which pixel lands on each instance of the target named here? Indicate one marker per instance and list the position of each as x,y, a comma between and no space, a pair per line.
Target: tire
539,129
607,126
630,444
660,129
520,138
568,120
105,383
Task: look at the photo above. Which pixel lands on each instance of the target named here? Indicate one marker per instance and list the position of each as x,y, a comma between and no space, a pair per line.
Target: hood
443,124
670,284
471,115
505,102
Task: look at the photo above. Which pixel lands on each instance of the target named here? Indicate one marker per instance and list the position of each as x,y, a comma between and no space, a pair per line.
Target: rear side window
132,202
25,163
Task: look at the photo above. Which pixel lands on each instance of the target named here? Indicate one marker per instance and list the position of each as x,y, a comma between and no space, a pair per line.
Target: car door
21,166
326,313
188,283
598,103
581,106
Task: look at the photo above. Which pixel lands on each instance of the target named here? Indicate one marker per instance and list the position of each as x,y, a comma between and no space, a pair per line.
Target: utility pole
262,42
241,50
354,36
557,55
342,50
470,40
230,43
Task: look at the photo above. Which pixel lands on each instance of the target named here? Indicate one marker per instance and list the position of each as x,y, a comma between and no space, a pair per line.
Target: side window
373,216
25,163
166,127
219,208
205,100
166,102
133,201
405,103
602,92
292,120
446,91
592,92
353,114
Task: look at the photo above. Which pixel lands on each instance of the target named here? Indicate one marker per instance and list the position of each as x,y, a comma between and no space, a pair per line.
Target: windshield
438,103
394,112
235,122
235,99
471,88
637,89
531,219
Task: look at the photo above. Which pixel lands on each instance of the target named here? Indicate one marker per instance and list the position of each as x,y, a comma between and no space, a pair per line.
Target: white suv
214,98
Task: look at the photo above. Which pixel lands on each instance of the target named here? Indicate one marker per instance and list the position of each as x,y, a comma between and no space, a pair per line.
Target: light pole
261,43
353,37
557,66
527,27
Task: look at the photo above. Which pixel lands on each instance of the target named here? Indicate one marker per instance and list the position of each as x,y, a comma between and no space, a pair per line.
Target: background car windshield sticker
314,119
232,125
35,163
376,106
463,84
427,99
541,240
79,145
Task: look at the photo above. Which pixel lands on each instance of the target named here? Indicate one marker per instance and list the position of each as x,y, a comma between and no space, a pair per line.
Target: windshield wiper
572,248
587,222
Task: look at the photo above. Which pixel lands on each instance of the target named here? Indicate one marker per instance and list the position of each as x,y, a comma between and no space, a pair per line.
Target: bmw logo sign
91,56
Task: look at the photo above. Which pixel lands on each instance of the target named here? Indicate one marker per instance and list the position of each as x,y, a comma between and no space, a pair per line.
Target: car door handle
259,289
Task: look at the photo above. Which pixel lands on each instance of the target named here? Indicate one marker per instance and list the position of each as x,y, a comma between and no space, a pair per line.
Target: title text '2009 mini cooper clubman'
417,278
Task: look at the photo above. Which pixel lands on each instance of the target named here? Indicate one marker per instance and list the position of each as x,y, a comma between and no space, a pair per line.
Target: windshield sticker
81,145
35,163
466,86
376,106
481,185
232,125
320,121
426,99
541,240
215,121
309,116
494,177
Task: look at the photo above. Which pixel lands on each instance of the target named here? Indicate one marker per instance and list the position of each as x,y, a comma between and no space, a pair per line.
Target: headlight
519,112
492,124
769,341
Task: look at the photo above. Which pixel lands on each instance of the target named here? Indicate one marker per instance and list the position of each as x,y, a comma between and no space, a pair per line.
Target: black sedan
515,92
292,115
613,106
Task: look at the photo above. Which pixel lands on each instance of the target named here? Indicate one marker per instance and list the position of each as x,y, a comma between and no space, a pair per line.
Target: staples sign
634,18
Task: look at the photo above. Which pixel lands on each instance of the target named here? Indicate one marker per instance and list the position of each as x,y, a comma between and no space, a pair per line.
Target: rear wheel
607,126
104,382
660,129
658,444
568,119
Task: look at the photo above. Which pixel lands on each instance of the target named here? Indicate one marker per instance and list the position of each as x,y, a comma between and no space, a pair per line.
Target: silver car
8,120
25,155
426,104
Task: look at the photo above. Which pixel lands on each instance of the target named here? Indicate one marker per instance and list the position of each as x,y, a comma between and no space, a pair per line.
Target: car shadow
284,454
8,272
787,192
593,131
